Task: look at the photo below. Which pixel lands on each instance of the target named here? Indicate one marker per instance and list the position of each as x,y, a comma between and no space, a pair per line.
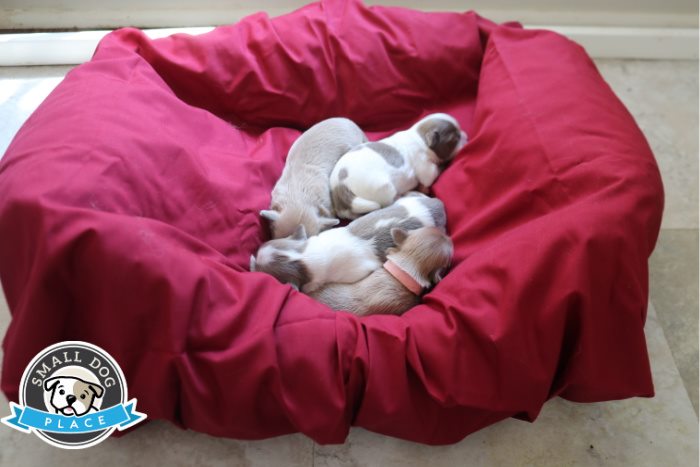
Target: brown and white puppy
344,254
417,263
301,196
72,396
374,174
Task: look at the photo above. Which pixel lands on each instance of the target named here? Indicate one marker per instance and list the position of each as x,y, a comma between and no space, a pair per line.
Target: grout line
675,362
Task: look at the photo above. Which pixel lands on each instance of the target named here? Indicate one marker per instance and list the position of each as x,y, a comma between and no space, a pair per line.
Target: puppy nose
70,399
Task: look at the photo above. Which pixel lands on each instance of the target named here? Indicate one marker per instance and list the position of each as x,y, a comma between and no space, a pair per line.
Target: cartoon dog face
71,395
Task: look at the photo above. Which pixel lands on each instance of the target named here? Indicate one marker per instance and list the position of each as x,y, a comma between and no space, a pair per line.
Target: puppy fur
344,254
413,211
301,196
374,174
306,263
423,253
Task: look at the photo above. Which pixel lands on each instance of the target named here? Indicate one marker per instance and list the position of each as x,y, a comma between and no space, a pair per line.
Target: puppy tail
363,206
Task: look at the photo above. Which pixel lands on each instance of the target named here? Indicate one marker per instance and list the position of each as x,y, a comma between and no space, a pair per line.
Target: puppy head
284,220
441,133
428,248
281,258
71,395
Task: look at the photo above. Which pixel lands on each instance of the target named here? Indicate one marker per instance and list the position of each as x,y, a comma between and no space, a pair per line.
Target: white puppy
302,193
373,175
335,255
345,254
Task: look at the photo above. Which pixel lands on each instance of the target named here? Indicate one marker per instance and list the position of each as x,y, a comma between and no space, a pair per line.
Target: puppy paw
310,287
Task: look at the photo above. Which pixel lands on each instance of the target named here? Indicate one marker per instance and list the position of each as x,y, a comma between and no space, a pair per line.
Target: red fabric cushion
129,207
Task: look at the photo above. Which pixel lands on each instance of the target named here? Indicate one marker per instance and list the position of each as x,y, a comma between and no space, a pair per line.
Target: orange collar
402,276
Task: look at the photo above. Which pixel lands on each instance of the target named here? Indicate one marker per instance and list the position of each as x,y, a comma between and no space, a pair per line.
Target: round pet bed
129,209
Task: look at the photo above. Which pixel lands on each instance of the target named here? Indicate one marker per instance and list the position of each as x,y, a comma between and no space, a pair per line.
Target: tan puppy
302,194
418,263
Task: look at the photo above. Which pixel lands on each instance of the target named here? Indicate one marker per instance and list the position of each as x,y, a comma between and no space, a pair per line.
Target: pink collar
402,276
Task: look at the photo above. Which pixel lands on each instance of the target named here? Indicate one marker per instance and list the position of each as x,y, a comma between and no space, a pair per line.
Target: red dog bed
129,208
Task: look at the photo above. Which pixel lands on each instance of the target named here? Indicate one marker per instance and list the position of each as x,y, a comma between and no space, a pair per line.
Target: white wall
87,14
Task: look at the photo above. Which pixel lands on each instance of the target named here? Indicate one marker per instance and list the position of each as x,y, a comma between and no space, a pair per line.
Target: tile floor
663,97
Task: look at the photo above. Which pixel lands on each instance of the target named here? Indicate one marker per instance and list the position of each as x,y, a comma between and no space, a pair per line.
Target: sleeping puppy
302,193
306,263
374,174
417,263
413,211
344,254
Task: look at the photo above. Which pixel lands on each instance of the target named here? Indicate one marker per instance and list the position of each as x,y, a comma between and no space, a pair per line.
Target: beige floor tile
674,292
661,431
158,444
22,89
663,98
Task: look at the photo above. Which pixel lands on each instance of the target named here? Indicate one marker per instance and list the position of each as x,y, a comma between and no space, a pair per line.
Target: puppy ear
329,222
51,383
433,139
270,215
399,235
97,389
252,263
437,275
299,233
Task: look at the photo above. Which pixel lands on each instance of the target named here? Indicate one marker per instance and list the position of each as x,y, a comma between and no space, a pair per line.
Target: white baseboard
64,48
89,14
634,43
71,48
